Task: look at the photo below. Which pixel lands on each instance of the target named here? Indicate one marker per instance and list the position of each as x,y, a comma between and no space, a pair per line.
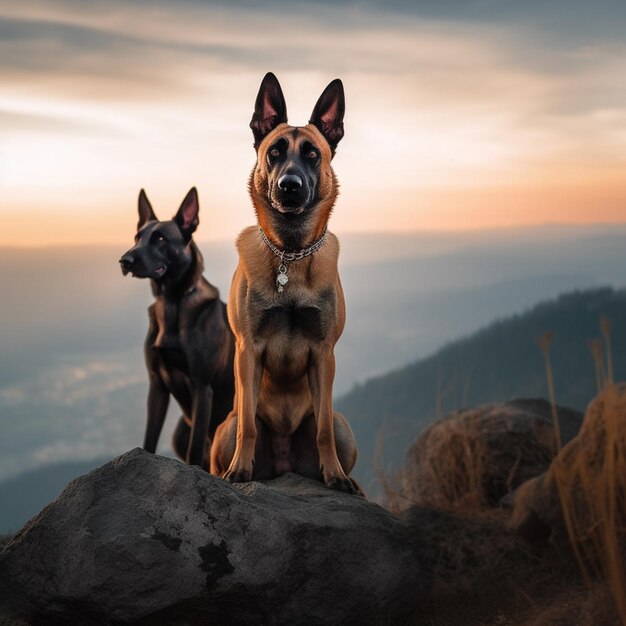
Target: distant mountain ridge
500,362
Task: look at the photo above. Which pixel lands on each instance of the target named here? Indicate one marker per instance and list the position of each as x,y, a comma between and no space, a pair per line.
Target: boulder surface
580,498
472,458
147,539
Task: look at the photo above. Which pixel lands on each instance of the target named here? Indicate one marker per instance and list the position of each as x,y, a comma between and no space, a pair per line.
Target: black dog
189,348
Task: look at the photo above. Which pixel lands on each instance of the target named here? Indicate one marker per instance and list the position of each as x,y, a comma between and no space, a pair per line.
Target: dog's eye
312,154
160,238
274,152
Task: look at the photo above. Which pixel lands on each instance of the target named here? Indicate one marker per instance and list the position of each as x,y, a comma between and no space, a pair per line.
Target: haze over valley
72,379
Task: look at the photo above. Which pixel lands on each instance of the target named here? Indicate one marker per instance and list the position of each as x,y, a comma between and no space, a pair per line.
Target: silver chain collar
288,257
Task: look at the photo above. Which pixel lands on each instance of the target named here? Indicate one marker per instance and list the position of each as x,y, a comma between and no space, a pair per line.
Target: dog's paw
345,484
358,490
238,475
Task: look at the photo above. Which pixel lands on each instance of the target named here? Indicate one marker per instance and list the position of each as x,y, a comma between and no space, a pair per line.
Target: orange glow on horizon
450,124
470,209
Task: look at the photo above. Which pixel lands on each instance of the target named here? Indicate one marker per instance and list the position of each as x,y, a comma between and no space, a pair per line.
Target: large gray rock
147,539
471,458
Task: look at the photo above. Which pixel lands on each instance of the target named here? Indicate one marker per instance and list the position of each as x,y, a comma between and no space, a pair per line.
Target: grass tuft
545,341
590,479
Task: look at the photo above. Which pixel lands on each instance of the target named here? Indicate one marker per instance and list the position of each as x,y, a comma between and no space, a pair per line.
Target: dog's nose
127,263
127,260
290,182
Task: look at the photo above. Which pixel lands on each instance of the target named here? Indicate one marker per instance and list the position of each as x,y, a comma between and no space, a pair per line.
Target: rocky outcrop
580,499
146,539
471,458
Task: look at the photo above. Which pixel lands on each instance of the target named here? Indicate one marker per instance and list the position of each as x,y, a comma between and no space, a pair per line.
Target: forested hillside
501,362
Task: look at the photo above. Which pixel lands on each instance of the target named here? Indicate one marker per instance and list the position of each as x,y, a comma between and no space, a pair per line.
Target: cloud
110,96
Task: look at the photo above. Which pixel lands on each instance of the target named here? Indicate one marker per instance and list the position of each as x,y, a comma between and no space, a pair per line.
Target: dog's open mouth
281,208
287,203
138,273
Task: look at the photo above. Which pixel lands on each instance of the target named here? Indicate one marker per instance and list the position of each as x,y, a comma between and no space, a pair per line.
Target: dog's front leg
248,371
158,401
202,404
321,375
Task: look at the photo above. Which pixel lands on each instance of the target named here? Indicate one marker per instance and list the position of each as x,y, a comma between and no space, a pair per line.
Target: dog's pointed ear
146,214
187,215
270,109
328,113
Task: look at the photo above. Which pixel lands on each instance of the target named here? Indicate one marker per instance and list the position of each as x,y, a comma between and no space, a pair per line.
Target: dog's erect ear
328,113
270,109
187,216
146,214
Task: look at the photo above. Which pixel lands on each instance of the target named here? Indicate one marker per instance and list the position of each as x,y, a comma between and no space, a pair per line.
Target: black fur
328,113
189,349
270,109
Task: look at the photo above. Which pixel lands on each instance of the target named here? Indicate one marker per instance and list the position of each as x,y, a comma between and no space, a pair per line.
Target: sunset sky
460,115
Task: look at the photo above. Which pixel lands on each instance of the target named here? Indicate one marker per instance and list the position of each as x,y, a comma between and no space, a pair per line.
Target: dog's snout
290,182
127,262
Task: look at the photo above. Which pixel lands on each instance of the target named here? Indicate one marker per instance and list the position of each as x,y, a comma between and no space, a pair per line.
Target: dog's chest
290,320
169,331
309,319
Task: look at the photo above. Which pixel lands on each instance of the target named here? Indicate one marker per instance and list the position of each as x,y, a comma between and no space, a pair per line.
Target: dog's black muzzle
291,194
137,266
127,263
290,183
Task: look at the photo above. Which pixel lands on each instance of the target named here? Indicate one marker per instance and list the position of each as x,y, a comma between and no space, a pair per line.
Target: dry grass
391,496
451,480
597,353
465,463
590,479
544,343
483,574
605,329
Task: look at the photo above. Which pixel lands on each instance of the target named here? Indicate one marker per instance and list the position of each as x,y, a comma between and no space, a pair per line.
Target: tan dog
286,305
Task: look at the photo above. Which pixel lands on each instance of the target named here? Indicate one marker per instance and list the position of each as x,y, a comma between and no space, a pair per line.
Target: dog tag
282,279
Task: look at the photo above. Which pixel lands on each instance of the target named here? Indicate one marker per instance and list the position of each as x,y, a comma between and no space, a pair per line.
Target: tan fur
283,377
260,181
